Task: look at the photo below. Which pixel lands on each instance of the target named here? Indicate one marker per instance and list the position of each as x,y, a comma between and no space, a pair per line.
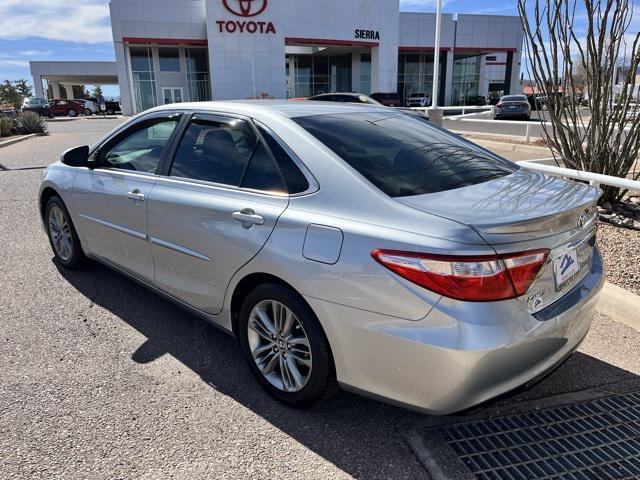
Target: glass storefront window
466,78
317,74
415,73
169,59
365,73
144,84
198,79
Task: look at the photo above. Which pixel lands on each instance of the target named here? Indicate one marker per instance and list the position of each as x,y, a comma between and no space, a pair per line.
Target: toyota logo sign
245,8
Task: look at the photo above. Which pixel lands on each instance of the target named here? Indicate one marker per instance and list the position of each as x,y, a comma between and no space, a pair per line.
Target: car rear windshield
403,155
514,98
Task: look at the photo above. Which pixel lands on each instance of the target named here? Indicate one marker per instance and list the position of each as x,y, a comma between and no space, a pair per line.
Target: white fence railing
526,125
463,108
595,179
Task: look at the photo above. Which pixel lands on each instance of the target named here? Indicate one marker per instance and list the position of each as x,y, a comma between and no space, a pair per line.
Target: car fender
59,178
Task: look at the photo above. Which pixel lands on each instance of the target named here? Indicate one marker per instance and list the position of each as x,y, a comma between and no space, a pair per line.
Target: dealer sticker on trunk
565,268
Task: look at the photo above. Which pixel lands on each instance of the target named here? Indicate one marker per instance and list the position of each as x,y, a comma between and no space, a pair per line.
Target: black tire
88,112
72,113
77,257
322,380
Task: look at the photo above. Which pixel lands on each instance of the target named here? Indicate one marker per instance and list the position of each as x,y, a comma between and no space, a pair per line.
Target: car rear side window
228,152
262,173
293,176
403,155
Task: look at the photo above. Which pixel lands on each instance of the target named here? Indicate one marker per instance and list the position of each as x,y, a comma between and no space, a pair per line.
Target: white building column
483,81
37,86
448,77
55,86
125,81
384,68
516,86
69,89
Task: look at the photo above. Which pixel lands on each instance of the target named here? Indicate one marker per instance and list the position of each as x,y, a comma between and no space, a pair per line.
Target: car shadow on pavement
360,436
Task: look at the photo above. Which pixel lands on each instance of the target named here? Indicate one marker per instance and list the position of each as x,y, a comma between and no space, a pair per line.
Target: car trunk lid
523,211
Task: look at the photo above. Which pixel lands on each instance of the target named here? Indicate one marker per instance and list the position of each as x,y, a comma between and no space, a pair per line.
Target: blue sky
80,30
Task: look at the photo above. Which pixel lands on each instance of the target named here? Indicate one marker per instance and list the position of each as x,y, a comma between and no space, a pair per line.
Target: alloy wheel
60,232
279,346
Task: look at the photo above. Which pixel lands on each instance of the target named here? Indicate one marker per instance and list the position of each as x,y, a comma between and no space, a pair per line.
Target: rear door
111,198
213,209
57,108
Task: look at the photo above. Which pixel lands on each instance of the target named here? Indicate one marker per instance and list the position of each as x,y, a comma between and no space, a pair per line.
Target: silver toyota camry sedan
343,245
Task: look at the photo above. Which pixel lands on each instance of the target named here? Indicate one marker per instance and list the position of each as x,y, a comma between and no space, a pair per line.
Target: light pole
435,114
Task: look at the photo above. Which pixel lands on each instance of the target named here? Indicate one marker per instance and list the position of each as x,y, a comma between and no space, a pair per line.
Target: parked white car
90,107
418,100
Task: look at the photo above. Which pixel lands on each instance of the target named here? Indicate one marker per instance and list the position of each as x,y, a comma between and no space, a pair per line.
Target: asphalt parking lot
102,379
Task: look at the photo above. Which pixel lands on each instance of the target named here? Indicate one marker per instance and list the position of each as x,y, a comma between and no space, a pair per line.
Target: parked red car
387,99
66,107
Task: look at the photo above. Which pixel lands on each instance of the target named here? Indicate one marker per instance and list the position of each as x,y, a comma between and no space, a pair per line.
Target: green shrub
6,126
31,122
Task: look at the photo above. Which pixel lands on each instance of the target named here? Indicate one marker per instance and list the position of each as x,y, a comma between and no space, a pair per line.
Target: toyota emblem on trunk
584,218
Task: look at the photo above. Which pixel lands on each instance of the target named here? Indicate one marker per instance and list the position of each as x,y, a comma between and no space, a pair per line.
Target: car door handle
136,196
248,218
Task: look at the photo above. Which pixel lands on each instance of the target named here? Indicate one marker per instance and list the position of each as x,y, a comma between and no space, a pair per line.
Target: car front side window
139,148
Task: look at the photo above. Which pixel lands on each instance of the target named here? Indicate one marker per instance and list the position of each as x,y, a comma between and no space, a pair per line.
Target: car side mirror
76,157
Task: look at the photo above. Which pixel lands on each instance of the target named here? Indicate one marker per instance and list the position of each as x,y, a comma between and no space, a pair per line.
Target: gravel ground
621,251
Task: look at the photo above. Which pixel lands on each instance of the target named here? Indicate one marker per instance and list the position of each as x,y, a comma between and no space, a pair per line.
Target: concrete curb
63,119
17,139
620,305
515,147
503,139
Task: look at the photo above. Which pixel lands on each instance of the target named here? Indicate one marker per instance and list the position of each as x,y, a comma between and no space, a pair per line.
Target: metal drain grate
595,440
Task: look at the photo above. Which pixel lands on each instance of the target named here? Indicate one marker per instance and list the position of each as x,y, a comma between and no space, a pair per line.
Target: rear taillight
525,104
499,105
471,278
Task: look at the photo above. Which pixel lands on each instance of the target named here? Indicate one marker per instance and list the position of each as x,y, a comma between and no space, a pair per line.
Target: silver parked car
341,244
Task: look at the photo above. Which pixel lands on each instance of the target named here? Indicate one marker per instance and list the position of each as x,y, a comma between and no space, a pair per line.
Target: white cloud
80,21
35,53
15,63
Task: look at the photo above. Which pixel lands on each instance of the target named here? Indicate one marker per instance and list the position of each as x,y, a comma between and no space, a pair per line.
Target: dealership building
193,50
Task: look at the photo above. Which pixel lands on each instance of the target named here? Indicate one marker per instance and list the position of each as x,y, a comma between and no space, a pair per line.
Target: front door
59,107
111,198
172,95
213,210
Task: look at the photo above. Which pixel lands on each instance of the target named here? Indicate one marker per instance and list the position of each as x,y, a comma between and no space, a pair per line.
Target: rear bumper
460,354
512,113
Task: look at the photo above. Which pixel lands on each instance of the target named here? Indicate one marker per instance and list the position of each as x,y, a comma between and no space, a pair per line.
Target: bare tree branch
594,127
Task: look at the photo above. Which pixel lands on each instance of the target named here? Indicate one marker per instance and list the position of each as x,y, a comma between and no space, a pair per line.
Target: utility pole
435,114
